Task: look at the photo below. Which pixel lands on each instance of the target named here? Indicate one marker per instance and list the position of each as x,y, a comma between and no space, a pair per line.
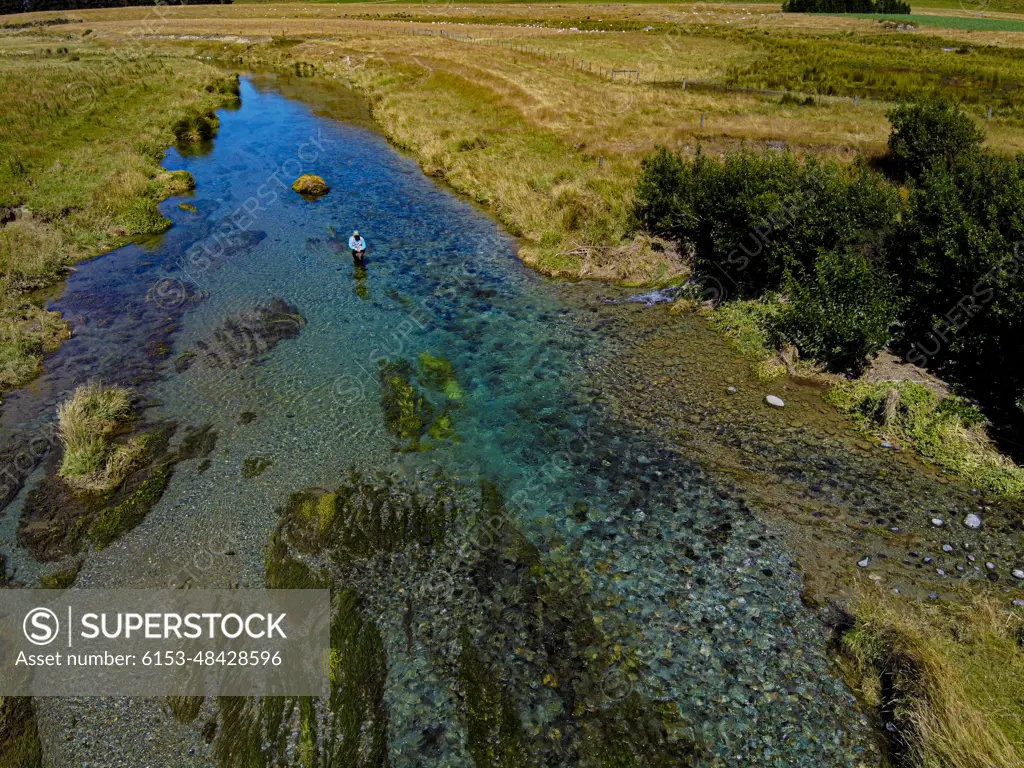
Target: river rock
1018,573
774,401
972,521
936,522
947,548
311,186
864,563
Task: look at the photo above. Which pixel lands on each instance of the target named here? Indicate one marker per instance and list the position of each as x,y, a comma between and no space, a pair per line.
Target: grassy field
951,22
81,136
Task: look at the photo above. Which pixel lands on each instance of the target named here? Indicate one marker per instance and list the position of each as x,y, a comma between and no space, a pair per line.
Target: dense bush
840,315
758,217
929,132
845,6
958,254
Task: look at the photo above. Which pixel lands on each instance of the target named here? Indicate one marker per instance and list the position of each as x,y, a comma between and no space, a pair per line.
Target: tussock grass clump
946,680
27,332
85,423
948,431
195,128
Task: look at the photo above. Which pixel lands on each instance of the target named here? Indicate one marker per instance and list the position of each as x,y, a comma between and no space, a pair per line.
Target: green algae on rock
61,579
519,637
409,413
254,466
19,736
114,521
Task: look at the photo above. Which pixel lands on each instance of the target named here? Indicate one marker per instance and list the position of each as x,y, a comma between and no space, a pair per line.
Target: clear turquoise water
711,603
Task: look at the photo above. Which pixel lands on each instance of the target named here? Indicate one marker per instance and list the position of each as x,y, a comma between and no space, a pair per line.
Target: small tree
841,315
928,132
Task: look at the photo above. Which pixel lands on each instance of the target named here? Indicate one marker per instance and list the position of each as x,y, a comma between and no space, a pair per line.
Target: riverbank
82,135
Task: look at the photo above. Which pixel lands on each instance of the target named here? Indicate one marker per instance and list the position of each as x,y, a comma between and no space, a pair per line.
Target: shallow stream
608,424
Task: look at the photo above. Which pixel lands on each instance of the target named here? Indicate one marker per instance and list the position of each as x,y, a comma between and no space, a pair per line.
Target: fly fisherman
358,247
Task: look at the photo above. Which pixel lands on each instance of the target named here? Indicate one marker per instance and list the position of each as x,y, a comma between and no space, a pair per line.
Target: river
697,514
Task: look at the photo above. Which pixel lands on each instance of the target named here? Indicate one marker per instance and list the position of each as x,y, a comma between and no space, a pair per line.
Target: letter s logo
41,626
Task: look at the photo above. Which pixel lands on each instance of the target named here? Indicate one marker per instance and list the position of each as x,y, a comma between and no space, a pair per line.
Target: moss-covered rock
310,185
254,466
409,413
493,728
19,737
112,522
61,579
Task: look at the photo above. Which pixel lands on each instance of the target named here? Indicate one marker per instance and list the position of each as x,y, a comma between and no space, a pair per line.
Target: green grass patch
977,23
947,431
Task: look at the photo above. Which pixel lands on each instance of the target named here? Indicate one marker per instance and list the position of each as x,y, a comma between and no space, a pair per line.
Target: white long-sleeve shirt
356,243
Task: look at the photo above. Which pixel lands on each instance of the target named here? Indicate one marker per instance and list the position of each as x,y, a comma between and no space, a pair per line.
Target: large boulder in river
309,185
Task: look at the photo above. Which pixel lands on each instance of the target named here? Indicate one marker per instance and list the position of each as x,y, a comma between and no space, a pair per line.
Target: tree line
845,6
30,6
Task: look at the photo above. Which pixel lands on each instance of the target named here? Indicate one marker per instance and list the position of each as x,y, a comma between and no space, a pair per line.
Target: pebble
1018,573
947,548
936,522
940,572
990,566
731,390
774,401
972,521
864,563
1018,603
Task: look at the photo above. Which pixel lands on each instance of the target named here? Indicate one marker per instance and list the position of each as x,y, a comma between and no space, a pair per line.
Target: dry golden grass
949,678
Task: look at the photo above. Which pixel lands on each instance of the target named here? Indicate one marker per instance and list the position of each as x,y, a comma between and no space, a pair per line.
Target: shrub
756,217
930,131
661,202
842,314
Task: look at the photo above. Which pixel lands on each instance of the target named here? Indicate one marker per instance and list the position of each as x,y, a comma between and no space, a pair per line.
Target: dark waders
359,258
